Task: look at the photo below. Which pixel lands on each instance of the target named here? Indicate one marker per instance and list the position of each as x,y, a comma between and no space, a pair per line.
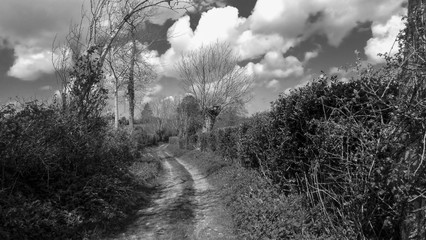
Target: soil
184,206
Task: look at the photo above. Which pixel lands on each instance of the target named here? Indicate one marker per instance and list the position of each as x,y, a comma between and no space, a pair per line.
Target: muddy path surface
183,207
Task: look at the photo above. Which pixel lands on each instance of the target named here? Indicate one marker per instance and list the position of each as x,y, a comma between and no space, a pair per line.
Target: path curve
183,207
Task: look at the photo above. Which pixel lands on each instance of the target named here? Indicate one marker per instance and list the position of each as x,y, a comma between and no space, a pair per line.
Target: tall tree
101,24
212,75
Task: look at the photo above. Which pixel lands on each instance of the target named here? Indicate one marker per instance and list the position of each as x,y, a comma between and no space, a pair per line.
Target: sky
284,44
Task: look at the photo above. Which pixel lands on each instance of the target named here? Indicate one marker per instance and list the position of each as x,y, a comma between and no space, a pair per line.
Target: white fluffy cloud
276,26
311,55
383,40
302,18
273,84
217,24
274,65
31,63
30,28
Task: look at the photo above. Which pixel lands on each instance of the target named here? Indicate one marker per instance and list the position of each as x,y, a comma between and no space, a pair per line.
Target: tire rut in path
178,206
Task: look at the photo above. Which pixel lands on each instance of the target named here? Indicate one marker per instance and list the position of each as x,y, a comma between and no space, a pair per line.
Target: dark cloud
315,17
329,56
7,57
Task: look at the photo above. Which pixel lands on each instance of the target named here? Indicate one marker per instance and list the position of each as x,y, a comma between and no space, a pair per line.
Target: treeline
354,150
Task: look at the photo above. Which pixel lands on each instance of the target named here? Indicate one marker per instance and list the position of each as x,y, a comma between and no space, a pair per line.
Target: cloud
303,18
217,24
274,65
37,23
250,45
151,92
30,28
383,40
46,88
276,26
273,84
310,55
30,63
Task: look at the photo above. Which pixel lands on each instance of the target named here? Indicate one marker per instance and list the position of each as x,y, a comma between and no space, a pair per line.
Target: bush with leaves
61,175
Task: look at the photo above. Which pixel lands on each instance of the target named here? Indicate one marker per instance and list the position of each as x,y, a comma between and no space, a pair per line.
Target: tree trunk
64,100
116,116
131,84
209,121
210,115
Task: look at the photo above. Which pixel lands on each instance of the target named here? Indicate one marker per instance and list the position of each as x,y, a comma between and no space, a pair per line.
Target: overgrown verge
64,177
354,149
257,208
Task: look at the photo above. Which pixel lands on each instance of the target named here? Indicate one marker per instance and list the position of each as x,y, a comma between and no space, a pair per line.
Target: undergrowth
258,209
64,177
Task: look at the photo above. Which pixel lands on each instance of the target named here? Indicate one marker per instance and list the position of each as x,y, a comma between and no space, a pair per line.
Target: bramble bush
61,175
355,149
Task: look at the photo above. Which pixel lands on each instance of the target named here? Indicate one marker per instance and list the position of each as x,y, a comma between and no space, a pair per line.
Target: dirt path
184,207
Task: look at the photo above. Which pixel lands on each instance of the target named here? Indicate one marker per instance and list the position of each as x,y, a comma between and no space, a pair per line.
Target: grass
257,209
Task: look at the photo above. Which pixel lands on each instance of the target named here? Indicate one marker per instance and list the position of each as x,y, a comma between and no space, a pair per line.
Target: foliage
258,209
353,148
87,95
189,121
174,140
61,175
146,114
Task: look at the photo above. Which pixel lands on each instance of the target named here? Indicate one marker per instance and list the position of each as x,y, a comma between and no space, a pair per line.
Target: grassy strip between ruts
257,209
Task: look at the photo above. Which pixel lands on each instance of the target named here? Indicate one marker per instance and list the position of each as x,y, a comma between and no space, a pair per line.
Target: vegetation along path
185,206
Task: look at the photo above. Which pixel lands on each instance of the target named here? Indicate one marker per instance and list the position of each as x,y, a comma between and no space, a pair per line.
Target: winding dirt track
184,207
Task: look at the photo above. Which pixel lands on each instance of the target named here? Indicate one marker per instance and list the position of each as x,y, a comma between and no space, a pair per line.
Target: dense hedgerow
61,176
356,148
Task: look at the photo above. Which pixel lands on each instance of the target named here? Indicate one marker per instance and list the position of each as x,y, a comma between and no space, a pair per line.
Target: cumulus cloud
273,84
250,45
217,24
302,18
310,55
276,26
383,40
30,63
274,65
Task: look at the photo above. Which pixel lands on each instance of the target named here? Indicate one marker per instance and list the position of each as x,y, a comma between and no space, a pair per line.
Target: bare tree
212,75
101,24
129,66
165,113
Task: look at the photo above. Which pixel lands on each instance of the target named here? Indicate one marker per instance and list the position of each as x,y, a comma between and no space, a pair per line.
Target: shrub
62,175
174,140
254,145
204,141
227,142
